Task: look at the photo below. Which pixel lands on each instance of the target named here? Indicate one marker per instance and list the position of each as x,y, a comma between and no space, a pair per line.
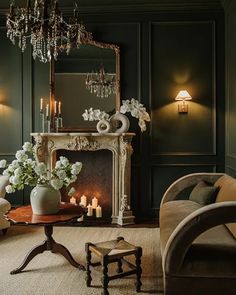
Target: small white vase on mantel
103,126
45,199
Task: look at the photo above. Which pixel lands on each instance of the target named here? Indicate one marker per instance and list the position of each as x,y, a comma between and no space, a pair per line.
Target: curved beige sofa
198,243
4,205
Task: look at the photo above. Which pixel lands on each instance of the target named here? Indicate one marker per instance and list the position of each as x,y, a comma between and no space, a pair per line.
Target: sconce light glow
183,95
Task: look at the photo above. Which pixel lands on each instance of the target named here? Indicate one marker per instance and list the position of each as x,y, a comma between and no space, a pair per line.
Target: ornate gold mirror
78,79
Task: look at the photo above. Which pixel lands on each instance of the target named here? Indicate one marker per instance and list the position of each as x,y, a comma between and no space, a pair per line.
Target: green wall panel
182,57
10,96
230,89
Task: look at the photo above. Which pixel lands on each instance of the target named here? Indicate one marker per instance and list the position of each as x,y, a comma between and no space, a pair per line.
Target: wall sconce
183,95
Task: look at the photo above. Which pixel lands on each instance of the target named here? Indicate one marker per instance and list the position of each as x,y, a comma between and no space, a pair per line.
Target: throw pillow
204,193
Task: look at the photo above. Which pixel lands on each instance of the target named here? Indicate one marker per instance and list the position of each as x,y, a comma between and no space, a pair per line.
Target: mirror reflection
87,77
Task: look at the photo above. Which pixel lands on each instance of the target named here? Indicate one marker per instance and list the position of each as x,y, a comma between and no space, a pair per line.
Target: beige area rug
51,274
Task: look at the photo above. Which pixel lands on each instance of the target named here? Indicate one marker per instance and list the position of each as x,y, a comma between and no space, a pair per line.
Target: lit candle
83,201
41,104
94,203
90,210
47,110
55,107
73,200
99,211
59,108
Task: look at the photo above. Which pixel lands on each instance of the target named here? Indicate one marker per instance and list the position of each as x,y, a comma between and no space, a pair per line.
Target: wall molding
162,6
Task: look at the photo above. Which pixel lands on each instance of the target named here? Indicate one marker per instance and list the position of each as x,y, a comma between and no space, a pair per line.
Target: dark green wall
162,51
230,18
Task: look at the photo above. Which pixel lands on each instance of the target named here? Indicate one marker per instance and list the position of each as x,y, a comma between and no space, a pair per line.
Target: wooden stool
113,251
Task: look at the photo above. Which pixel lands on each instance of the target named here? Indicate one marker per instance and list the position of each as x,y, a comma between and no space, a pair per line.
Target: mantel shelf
83,134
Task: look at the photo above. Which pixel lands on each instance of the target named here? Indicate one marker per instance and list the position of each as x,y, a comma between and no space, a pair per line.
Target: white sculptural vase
119,123
103,126
45,199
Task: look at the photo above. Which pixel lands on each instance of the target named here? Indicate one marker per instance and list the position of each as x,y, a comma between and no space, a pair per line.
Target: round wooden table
23,215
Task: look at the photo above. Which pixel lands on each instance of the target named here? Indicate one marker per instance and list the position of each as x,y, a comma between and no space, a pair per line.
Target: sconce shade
183,95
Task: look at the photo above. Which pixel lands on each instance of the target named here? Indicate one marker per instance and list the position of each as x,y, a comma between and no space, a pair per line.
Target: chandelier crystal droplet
44,25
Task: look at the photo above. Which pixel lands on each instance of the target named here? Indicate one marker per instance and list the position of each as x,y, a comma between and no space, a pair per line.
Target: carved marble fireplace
119,144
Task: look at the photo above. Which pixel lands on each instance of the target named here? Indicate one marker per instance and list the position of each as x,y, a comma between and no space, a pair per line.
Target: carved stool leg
138,256
88,263
4,231
119,262
119,266
105,279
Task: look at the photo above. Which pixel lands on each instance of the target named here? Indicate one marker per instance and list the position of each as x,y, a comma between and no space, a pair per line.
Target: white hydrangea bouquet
26,171
133,106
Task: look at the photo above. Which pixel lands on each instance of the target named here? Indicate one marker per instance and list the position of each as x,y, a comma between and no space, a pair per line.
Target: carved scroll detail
82,143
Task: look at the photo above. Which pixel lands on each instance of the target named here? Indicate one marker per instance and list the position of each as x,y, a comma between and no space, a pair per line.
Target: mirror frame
87,39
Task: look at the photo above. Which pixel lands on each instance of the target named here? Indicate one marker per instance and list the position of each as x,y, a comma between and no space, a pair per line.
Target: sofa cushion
227,192
171,214
204,193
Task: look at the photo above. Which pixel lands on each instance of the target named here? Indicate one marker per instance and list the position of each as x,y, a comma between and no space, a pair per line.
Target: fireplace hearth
113,192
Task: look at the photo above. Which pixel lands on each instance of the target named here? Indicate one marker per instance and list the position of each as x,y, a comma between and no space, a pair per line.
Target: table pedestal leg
48,245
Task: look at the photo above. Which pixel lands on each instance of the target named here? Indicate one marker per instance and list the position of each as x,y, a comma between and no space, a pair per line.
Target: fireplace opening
94,180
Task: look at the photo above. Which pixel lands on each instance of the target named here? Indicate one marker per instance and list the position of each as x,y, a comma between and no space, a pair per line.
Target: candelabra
101,83
43,23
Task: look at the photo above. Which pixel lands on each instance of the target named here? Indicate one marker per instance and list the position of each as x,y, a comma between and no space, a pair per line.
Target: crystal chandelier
43,23
101,83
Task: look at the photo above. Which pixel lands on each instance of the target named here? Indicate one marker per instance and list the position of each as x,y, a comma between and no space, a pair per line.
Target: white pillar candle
55,107
59,108
90,210
98,211
41,104
94,203
73,200
47,110
83,201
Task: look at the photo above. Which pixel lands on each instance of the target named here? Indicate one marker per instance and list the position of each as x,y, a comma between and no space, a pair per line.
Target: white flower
11,168
73,178
137,110
85,115
6,172
94,115
76,168
40,169
15,180
3,163
18,171
64,161
9,189
71,191
58,165
61,174
21,156
56,183
67,181
27,147
15,164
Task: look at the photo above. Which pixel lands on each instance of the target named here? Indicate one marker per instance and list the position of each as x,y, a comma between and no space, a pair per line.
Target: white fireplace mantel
120,146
